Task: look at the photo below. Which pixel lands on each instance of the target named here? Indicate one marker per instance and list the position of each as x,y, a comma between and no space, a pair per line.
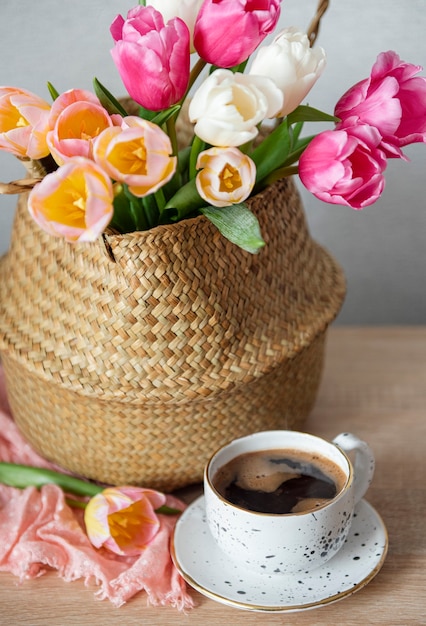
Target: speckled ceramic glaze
295,542
209,570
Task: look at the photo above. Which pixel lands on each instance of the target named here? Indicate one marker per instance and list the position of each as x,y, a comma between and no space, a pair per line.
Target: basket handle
18,186
313,28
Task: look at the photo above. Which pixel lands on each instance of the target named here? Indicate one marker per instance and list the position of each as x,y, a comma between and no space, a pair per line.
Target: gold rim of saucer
288,608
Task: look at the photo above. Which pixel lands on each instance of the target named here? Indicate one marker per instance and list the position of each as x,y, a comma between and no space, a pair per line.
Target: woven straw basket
133,366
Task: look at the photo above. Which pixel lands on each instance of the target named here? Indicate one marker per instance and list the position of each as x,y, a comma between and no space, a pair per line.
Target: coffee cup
245,479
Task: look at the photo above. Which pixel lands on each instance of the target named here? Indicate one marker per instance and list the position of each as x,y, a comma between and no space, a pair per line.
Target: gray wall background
382,248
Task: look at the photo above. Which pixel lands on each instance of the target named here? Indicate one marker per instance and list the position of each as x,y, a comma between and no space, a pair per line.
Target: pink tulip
228,31
392,99
76,118
74,202
344,166
123,519
23,123
153,59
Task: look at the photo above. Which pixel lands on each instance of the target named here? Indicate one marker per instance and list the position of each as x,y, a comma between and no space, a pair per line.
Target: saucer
206,568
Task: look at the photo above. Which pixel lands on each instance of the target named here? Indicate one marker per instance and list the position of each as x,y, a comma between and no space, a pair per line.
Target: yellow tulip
138,153
74,202
23,123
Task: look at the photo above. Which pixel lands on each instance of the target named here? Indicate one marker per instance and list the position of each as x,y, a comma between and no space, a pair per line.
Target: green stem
176,181
195,72
171,131
198,146
281,172
22,476
160,200
76,504
149,211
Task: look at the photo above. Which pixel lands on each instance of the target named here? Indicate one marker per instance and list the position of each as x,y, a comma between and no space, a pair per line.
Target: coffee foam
308,504
256,471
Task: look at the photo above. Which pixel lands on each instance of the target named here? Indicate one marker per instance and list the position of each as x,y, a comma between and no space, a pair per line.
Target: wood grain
374,385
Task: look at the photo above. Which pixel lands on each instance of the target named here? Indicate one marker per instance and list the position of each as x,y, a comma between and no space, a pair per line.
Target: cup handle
363,464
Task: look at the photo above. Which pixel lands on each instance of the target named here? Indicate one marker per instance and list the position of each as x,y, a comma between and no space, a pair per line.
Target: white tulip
292,64
187,10
227,176
227,107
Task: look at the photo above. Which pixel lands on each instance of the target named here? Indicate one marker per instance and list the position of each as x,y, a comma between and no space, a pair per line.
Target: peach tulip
76,118
23,123
123,519
138,154
227,176
74,202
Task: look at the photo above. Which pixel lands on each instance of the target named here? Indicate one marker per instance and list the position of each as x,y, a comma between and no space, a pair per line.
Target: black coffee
279,481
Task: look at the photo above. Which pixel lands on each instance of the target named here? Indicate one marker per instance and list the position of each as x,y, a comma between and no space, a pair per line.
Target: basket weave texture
134,370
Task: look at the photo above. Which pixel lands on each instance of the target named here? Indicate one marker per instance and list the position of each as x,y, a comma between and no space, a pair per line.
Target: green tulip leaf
238,224
186,200
138,213
162,117
272,153
297,151
107,100
168,510
146,114
54,93
183,159
122,220
305,113
282,146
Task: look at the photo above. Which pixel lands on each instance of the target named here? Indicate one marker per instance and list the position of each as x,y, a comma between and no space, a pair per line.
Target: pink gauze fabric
39,532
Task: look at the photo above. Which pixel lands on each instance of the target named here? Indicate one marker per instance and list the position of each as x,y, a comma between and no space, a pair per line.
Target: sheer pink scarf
39,532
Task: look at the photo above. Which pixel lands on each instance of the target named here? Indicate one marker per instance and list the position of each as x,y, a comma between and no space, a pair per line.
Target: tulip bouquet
105,169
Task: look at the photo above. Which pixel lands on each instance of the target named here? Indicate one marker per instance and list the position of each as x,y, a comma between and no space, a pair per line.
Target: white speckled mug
288,543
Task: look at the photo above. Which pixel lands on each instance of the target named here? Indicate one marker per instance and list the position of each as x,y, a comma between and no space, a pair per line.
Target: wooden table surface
374,385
